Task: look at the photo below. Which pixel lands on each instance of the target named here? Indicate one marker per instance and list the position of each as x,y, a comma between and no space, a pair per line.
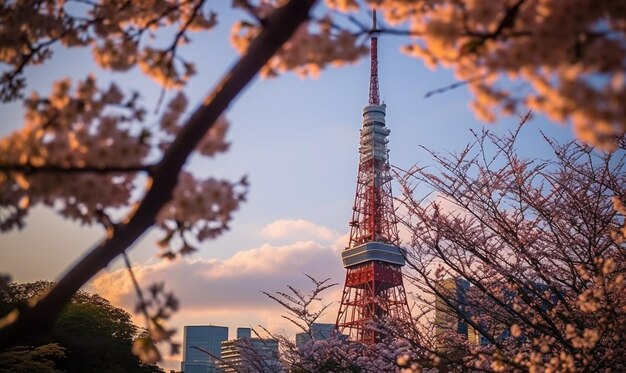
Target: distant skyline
297,141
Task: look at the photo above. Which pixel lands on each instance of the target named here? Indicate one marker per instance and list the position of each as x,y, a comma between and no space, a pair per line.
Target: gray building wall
318,331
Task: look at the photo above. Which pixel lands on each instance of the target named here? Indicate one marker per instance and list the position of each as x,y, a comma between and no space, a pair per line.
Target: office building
243,333
447,319
202,348
317,332
250,355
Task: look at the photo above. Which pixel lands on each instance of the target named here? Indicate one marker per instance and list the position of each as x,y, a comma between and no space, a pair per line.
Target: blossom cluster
80,151
212,143
87,127
115,30
529,260
314,46
201,209
570,55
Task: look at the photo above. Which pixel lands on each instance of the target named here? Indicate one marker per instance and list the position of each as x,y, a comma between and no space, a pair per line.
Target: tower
374,288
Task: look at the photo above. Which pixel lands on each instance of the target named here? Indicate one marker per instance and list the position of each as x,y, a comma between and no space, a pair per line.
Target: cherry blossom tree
84,147
519,265
81,148
336,353
565,59
538,244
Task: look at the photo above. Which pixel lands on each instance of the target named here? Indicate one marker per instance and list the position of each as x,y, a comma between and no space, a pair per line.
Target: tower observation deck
374,288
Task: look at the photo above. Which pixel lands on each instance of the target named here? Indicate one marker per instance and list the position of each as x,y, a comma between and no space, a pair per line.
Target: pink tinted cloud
233,284
298,229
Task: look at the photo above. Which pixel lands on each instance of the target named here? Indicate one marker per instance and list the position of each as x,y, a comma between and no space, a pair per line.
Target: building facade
318,331
244,333
454,290
202,348
250,355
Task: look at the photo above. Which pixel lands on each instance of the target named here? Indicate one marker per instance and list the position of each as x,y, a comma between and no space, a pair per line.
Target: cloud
228,292
233,284
298,230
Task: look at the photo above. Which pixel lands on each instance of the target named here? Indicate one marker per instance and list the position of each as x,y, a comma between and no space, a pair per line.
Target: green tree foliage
41,359
90,335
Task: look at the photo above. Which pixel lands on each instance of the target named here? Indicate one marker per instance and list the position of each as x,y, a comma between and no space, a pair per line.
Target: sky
297,141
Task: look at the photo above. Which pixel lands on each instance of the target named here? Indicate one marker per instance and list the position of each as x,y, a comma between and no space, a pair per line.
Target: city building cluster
207,349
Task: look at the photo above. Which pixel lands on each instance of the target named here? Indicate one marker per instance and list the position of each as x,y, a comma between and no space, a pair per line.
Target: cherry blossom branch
454,86
367,30
172,48
154,21
142,300
34,319
31,169
508,21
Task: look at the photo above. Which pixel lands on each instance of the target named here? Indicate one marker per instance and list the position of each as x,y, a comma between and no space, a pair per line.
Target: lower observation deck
373,251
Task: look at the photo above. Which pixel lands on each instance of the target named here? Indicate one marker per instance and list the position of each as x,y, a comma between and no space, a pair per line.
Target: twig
142,300
172,50
454,86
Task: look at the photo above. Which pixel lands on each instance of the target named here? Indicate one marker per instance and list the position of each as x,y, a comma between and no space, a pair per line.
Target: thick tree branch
30,321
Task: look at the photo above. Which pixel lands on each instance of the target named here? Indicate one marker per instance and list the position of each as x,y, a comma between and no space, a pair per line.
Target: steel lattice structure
374,287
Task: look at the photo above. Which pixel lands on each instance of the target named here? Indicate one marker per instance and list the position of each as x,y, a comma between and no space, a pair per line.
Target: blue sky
297,140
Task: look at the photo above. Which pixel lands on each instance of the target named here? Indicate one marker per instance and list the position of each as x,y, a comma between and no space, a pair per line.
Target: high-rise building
244,333
454,291
318,331
250,355
374,288
448,316
454,305
202,348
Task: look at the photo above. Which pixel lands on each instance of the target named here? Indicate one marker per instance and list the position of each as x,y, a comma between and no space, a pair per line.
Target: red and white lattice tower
374,289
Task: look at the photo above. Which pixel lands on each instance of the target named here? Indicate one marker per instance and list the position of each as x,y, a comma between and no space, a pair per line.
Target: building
318,331
447,319
374,287
202,348
250,355
244,333
454,290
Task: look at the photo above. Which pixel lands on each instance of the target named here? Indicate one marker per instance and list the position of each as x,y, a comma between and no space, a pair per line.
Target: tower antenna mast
374,95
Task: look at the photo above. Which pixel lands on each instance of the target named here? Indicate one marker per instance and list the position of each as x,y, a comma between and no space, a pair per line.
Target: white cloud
298,229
